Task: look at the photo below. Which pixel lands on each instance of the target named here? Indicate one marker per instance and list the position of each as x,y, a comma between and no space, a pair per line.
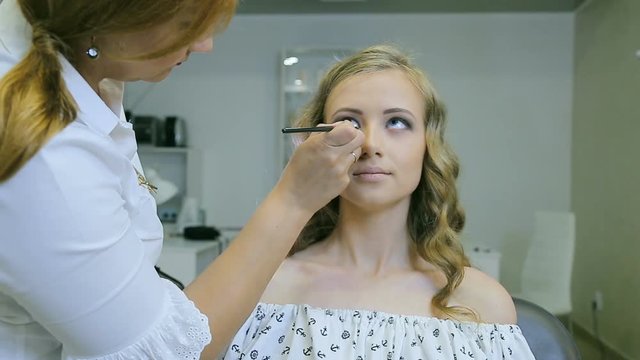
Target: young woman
80,234
379,273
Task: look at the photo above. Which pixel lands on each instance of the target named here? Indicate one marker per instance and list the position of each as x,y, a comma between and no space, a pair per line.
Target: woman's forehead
393,84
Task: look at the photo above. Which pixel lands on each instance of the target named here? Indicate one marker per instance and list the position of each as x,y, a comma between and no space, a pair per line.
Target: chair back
547,269
547,337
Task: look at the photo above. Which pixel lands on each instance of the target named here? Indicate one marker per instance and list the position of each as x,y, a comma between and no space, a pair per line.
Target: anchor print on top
299,332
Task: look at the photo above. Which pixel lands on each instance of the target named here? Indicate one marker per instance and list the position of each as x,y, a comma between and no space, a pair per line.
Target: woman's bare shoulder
289,281
486,296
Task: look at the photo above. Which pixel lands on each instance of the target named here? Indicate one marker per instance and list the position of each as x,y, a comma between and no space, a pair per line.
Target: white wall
506,78
605,196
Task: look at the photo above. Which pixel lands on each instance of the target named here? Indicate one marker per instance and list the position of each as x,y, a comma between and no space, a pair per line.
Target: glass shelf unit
300,72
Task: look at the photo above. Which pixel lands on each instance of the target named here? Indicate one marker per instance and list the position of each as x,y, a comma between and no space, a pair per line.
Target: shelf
179,165
297,89
178,243
162,149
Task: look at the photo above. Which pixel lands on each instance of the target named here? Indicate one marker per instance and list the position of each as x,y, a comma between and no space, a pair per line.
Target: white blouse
79,238
307,332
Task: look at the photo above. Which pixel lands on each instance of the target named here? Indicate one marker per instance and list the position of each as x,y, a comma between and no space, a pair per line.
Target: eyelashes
354,122
395,122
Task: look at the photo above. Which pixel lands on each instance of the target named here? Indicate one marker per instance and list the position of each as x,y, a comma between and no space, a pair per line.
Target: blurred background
543,113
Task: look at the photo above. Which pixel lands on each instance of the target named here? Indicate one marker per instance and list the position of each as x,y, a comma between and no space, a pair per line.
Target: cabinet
484,259
300,73
186,259
178,165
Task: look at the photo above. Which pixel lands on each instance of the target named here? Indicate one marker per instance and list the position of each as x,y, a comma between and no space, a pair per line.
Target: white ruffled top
306,332
181,333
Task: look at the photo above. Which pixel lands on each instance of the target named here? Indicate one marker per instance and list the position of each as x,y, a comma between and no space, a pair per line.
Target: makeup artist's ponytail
34,104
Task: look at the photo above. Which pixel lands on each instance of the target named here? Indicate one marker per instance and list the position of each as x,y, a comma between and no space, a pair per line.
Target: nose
372,145
202,45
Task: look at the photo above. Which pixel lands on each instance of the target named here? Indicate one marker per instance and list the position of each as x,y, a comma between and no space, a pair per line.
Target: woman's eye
398,123
354,122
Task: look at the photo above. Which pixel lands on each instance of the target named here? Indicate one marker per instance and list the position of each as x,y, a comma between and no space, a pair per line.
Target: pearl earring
93,52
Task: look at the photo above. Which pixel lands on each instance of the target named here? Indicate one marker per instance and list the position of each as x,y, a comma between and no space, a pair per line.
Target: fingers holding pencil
318,170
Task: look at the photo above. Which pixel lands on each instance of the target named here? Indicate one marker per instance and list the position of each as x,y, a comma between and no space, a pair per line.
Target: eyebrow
352,110
396,110
388,111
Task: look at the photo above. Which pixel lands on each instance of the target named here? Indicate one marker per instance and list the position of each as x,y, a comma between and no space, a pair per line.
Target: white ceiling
403,6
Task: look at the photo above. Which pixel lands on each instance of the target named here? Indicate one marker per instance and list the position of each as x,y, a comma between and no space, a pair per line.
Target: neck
375,242
90,72
90,69
110,91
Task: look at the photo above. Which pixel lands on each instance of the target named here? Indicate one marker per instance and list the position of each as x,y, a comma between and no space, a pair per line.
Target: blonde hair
35,103
435,216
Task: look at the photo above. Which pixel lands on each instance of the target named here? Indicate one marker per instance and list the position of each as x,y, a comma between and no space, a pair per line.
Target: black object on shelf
147,129
201,233
175,132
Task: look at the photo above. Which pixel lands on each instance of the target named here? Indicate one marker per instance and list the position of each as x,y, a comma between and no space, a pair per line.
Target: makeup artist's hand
318,170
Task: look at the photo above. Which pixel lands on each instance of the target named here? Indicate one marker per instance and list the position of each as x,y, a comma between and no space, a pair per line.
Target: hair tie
44,40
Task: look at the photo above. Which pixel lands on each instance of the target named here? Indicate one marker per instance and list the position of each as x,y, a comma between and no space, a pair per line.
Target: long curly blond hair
435,216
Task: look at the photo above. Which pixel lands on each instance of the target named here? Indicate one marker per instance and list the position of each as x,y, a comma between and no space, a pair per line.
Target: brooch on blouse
142,181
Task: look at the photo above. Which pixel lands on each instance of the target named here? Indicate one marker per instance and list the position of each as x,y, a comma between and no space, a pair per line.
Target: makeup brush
307,129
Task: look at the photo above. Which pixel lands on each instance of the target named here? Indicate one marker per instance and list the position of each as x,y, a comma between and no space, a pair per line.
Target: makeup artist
79,231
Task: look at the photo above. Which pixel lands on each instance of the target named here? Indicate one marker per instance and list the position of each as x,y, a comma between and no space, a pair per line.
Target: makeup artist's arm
228,290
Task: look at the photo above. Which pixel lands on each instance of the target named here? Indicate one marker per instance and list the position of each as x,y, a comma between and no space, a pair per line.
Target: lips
370,170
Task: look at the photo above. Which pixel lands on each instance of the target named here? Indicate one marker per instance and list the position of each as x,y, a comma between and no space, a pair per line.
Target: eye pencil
307,129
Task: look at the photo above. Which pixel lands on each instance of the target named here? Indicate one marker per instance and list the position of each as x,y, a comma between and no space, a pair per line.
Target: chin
157,77
375,203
